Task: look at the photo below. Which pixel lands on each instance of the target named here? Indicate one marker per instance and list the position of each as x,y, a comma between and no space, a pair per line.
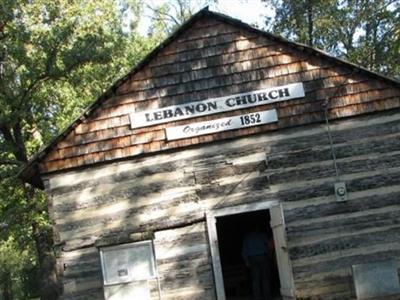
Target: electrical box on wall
340,191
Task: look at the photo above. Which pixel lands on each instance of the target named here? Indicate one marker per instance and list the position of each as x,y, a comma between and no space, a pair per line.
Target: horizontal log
187,280
124,208
153,173
330,286
194,233
149,217
324,187
126,180
82,286
351,224
292,143
346,243
165,266
343,262
380,139
245,183
253,184
89,294
360,164
86,237
162,163
97,203
339,208
123,238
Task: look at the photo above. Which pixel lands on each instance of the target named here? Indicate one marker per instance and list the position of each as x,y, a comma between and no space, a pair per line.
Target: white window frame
124,246
211,217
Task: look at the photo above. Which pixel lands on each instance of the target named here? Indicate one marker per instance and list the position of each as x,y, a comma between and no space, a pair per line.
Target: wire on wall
326,103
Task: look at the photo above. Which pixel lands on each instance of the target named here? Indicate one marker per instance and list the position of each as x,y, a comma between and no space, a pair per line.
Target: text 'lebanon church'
224,128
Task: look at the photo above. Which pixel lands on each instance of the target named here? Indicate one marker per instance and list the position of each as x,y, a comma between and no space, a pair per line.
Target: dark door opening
231,232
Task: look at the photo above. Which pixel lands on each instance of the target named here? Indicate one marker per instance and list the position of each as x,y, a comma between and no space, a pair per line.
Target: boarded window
127,263
376,279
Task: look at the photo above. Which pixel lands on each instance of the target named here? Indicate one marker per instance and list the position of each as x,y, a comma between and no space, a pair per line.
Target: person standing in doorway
256,257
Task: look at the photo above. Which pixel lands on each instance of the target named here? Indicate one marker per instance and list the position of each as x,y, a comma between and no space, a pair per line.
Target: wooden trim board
213,238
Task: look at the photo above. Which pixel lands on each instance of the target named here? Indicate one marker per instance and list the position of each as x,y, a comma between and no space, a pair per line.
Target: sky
249,11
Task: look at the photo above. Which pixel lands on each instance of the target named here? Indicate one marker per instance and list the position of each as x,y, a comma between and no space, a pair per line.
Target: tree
362,31
55,57
304,21
170,15
13,262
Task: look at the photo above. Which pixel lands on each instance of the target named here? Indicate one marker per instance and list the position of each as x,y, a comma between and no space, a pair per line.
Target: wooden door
282,254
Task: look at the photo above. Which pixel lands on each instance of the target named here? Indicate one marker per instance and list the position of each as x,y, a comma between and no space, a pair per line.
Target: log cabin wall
169,193
109,184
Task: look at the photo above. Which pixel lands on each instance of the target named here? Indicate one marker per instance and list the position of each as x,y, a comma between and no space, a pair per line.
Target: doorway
227,228
231,232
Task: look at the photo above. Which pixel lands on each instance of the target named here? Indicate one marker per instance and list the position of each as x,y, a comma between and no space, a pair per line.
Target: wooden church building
221,128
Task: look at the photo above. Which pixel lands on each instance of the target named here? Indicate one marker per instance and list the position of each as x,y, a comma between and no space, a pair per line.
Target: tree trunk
50,288
49,279
6,288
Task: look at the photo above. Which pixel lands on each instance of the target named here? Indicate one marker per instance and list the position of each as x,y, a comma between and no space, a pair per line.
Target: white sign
223,124
216,105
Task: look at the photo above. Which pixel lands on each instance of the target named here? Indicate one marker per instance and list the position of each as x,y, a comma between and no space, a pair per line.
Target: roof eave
32,167
31,171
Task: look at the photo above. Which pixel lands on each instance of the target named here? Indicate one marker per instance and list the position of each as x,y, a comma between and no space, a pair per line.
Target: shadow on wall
169,192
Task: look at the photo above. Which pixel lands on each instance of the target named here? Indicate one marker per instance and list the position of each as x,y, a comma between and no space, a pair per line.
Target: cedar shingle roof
209,55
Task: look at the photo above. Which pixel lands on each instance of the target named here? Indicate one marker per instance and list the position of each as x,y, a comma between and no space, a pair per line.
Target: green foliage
48,42
14,262
168,16
365,32
56,56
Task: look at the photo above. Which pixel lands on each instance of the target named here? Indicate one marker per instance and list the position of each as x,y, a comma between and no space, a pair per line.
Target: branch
7,134
9,162
9,138
33,85
46,73
21,149
163,15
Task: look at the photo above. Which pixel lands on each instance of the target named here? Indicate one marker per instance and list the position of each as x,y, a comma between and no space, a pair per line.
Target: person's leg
265,278
255,278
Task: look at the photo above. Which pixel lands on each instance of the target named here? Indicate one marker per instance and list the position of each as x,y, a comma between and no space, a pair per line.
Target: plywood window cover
153,273
213,238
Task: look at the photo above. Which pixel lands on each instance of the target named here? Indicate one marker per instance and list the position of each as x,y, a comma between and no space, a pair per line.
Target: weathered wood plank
382,252
330,89
275,143
184,250
250,184
301,115
345,243
143,176
349,165
168,194
337,208
328,287
371,220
